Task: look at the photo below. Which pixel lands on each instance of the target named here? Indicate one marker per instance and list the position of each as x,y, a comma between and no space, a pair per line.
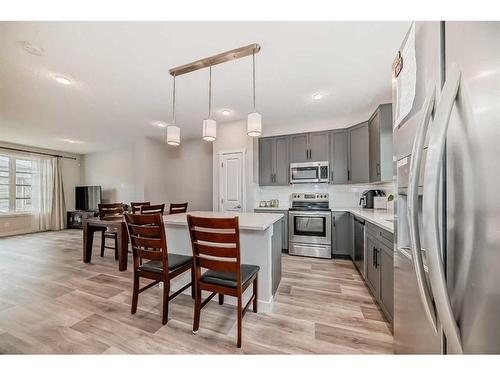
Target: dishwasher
359,245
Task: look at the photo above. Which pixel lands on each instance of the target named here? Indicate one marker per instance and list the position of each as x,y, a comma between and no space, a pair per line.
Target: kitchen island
260,244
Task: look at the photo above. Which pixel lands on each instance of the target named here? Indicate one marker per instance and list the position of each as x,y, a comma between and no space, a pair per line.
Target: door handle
374,256
412,212
433,169
378,168
333,220
348,175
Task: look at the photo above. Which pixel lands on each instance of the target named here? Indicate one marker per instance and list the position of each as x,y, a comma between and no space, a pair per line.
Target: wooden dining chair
147,236
153,209
136,206
216,247
108,211
177,208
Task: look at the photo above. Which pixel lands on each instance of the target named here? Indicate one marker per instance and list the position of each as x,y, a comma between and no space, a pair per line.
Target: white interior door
231,181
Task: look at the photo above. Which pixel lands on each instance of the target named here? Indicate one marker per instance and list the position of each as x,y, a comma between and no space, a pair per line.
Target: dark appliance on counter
366,200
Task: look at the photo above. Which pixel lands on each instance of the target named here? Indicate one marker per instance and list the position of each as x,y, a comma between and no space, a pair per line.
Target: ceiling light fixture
31,48
173,131
254,119
226,112
159,124
209,124
254,126
62,80
318,96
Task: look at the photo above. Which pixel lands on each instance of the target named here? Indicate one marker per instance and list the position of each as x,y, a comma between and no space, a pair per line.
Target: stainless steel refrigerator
446,103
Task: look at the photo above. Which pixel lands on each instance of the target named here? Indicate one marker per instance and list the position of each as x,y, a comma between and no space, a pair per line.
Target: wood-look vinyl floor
51,302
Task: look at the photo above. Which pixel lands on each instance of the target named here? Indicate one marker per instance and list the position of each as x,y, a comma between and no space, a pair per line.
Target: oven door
310,227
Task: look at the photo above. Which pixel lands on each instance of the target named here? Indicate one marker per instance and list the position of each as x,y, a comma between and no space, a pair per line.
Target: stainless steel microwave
311,172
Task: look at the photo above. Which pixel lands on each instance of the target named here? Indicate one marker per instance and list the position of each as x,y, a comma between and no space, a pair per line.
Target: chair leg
166,293
255,288
197,311
103,242
221,299
240,316
193,285
135,295
116,246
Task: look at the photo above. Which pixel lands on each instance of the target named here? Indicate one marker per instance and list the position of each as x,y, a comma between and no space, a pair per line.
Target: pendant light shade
254,124
209,130
209,124
173,135
173,131
254,119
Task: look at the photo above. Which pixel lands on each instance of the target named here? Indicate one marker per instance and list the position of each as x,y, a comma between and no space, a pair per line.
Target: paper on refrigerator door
406,81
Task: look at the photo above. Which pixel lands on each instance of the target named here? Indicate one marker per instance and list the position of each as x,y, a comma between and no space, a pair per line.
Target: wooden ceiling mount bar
216,59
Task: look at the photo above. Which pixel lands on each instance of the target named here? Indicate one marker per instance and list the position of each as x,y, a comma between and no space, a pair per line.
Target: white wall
11,224
179,174
115,172
233,137
151,170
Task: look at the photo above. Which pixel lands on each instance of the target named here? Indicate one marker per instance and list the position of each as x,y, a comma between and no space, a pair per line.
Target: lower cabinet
387,281
372,266
341,234
380,267
284,225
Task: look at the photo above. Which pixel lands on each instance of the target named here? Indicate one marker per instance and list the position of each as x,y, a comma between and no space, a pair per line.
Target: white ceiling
120,80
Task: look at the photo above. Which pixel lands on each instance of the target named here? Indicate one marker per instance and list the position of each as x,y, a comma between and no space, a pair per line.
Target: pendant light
254,119
209,124
173,131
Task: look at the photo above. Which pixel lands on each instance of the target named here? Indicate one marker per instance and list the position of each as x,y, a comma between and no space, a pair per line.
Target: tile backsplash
341,196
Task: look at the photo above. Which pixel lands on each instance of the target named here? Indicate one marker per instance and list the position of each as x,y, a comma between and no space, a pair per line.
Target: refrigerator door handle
415,245
431,209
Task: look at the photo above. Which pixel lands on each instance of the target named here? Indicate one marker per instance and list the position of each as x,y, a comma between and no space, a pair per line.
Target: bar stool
216,247
147,236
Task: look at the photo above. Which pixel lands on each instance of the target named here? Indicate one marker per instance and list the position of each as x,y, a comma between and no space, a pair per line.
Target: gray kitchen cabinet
265,161
338,156
341,234
372,266
319,147
299,148
309,147
274,166
359,153
281,161
380,126
387,281
284,225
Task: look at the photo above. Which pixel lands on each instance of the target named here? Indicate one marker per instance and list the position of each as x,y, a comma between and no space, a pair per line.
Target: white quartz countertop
272,208
247,220
382,218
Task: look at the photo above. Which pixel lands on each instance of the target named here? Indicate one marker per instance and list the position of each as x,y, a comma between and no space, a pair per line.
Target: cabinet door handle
376,258
348,175
334,220
378,169
331,176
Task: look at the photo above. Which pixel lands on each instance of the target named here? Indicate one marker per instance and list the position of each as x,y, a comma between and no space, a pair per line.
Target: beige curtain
58,211
48,196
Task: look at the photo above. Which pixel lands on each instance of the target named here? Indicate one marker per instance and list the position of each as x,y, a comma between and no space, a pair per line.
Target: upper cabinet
274,165
338,156
359,153
380,125
309,147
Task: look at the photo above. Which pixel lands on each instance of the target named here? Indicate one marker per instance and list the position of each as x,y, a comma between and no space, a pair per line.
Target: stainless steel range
310,225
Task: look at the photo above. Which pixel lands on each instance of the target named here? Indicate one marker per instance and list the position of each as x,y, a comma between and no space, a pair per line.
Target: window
16,180
24,177
4,184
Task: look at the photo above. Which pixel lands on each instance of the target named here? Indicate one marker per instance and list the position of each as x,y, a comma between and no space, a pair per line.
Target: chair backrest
216,244
177,208
109,210
147,237
136,206
153,209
